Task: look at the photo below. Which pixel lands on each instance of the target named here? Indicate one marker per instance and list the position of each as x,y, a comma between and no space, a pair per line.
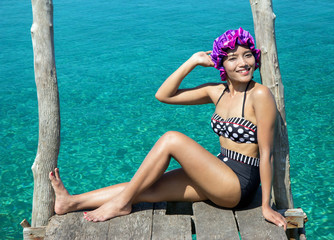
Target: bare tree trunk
48,108
264,25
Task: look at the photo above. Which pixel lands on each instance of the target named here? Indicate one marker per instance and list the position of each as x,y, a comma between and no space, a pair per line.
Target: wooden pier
201,220
171,220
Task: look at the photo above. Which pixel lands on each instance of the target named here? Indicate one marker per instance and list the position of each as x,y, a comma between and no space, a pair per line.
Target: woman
244,120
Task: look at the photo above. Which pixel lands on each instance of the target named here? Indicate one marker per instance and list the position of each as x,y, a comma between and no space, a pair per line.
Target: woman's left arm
265,112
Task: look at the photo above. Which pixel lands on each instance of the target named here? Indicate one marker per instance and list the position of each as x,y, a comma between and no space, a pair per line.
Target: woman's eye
232,58
249,55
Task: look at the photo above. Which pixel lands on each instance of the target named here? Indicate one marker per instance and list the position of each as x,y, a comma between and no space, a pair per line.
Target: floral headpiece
228,41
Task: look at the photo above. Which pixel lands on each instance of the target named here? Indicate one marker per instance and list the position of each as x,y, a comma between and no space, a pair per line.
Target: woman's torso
235,121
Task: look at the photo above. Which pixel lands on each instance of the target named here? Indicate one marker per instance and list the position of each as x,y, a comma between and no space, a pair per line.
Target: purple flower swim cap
228,40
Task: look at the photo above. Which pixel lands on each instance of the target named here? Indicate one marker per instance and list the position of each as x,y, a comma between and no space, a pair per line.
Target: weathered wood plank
91,230
137,225
74,226
212,222
25,223
34,233
66,226
294,217
171,227
252,225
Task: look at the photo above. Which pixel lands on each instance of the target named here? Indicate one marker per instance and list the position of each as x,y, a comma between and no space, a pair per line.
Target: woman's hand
273,216
203,59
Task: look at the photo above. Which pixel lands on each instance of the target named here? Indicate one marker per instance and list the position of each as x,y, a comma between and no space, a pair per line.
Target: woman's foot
110,209
64,202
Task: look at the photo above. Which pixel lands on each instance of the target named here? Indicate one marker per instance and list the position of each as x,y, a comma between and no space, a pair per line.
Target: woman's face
239,64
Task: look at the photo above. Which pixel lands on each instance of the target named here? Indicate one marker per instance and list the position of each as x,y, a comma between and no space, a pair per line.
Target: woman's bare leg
174,185
209,176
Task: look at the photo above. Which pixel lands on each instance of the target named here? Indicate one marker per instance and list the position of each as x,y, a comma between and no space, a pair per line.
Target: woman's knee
172,138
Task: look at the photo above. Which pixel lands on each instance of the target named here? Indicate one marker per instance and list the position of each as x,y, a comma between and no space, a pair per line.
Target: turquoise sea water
111,57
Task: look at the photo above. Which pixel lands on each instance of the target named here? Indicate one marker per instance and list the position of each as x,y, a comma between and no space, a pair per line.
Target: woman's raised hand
203,59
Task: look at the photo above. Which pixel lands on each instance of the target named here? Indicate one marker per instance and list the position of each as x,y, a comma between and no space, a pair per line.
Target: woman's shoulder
261,91
262,96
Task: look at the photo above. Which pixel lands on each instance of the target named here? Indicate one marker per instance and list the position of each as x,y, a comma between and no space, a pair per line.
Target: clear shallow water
112,56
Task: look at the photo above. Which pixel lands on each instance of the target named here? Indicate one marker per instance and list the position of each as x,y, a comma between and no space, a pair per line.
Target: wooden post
264,27
48,108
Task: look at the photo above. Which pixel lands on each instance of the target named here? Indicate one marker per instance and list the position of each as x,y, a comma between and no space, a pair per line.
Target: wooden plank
252,225
62,226
137,225
91,230
34,233
171,227
25,223
294,217
212,222
74,226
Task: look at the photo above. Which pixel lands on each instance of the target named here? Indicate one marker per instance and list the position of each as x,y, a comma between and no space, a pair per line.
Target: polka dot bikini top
238,129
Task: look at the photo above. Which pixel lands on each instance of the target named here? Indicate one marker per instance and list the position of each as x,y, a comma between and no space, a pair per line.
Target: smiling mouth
244,70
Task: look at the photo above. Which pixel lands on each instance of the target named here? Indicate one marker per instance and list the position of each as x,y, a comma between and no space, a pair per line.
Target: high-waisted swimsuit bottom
247,170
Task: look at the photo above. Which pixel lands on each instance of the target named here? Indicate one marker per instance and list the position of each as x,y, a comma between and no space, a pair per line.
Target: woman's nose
242,61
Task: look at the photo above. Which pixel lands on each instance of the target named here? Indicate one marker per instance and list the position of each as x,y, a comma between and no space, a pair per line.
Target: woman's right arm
169,91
